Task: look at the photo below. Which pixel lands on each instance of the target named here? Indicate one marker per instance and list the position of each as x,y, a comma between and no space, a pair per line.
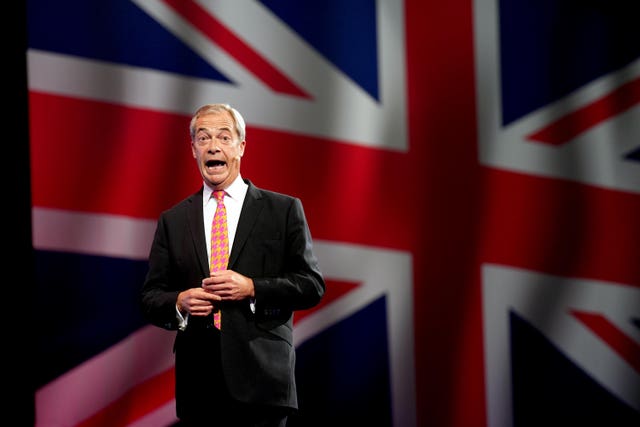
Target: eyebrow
205,129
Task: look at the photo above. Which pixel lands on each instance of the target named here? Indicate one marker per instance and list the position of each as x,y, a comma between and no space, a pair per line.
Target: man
234,353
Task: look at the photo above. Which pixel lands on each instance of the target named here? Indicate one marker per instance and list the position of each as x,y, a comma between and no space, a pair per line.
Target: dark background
18,278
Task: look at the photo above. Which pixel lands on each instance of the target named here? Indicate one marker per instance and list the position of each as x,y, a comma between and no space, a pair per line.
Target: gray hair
238,120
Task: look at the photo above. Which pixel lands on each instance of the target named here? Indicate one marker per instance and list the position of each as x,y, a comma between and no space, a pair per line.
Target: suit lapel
195,221
250,210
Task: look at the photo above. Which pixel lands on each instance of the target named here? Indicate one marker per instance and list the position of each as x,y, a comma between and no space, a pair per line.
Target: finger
211,296
213,280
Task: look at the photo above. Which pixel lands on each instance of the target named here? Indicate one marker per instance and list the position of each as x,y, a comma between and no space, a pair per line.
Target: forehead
215,121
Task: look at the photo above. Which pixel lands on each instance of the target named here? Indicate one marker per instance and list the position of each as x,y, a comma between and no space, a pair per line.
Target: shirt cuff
182,320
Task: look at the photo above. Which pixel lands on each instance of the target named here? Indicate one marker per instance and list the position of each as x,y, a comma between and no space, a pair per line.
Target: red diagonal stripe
573,124
136,403
218,33
621,343
335,290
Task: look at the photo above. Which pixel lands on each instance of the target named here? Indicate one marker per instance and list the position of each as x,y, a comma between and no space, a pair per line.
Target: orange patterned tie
219,243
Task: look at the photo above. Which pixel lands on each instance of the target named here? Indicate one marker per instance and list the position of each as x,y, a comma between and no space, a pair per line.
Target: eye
203,139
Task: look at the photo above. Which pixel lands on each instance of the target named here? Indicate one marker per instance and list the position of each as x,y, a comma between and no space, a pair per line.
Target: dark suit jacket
272,246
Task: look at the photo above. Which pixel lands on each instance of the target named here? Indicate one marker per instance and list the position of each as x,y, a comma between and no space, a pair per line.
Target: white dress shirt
233,199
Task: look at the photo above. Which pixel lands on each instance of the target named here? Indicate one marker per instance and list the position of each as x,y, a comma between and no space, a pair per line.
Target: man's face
217,149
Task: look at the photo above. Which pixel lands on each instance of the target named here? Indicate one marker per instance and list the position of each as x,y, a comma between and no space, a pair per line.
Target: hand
197,301
227,285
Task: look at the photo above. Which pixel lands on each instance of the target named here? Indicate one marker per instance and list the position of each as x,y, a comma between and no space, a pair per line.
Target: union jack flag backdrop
483,269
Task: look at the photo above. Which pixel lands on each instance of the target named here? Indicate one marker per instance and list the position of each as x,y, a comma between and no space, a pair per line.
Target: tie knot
218,194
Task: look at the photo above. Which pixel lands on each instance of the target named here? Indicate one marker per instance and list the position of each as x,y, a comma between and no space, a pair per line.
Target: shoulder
269,195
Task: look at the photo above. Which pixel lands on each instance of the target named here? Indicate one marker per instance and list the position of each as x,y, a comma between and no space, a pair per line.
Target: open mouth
215,163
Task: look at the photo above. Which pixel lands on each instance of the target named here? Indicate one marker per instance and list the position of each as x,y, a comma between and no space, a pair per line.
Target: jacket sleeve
298,282
157,297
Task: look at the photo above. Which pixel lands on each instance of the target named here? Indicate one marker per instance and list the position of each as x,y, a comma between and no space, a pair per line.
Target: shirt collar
236,190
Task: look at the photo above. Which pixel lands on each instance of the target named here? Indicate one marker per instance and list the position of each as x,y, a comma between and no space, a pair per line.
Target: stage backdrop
470,171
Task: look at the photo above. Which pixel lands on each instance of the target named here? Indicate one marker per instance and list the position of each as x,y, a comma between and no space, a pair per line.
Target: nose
213,146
